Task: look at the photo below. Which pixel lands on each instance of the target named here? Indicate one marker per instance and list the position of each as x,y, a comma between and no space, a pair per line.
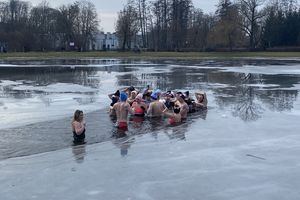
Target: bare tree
179,22
200,26
226,32
78,23
43,23
127,25
142,10
249,9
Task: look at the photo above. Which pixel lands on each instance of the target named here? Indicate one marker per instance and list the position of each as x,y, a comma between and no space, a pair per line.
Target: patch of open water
38,98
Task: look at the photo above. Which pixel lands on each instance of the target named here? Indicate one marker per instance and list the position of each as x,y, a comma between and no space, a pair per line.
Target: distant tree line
42,28
176,25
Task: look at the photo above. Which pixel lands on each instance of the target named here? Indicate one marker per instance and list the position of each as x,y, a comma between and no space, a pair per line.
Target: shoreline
150,55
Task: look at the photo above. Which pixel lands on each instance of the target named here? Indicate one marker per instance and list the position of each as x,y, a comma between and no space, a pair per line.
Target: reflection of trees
281,100
176,79
247,100
246,108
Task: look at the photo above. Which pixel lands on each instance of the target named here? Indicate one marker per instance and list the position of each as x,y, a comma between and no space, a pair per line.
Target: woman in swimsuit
78,127
131,98
139,106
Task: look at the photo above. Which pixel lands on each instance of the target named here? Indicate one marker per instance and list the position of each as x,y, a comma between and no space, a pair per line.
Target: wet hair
171,104
187,93
77,115
117,93
181,96
131,88
114,99
176,110
188,101
148,94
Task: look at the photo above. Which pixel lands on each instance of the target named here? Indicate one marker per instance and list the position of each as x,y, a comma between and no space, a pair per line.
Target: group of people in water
152,103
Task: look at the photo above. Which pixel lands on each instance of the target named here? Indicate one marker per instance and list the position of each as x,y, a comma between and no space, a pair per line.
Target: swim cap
139,97
123,96
154,96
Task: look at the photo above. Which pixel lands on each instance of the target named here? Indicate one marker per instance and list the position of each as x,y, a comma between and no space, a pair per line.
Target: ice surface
244,147
223,163
269,69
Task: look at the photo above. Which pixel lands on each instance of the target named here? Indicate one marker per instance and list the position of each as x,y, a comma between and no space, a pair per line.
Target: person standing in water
156,107
139,106
78,127
201,100
174,117
122,109
184,108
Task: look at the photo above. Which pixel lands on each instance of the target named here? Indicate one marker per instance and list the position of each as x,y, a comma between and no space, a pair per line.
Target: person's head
157,92
133,94
131,88
123,97
180,98
114,100
187,94
200,97
139,98
176,109
147,96
154,96
169,95
117,93
78,116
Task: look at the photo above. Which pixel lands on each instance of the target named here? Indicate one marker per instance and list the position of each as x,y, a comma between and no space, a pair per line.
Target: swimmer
169,100
122,108
174,116
201,100
189,101
131,98
139,106
114,98
78,127
184,108
156,107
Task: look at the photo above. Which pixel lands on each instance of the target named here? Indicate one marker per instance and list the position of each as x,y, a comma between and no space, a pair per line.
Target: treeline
43,28
176,25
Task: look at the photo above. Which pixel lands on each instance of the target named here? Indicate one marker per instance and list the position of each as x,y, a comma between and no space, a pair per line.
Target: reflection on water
123,142
34,95
79,152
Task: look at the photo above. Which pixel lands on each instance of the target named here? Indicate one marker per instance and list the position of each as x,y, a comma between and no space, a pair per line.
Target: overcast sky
107,9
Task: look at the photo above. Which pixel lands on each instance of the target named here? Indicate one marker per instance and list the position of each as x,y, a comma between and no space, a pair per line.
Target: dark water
38,98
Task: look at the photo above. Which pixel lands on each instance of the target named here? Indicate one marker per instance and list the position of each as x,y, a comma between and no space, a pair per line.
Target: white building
105,42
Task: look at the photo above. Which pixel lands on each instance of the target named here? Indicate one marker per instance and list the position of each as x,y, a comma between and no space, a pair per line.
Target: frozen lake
245,146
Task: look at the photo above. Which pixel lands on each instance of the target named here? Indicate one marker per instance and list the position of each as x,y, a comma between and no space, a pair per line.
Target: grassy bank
150,55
